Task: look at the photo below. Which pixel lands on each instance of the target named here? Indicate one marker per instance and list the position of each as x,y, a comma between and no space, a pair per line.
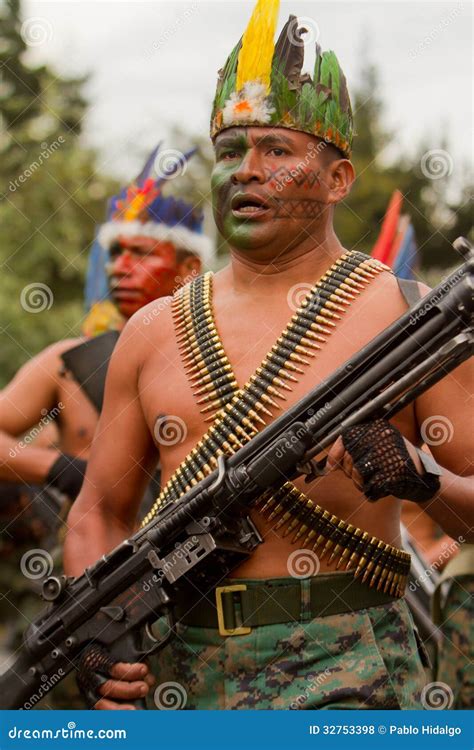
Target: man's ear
190,267
340,175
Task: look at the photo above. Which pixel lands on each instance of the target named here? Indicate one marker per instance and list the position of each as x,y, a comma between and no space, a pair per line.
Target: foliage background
50,205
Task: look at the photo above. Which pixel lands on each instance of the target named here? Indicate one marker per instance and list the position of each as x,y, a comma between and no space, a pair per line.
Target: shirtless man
153,250
275,187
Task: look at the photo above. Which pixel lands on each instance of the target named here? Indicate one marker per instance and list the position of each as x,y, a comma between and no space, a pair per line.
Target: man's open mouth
249,205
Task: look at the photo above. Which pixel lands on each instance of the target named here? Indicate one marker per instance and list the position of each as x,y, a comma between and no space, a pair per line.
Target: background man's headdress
262,84
142,209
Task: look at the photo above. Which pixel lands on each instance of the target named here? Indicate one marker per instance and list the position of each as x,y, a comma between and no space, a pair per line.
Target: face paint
142,269
266,185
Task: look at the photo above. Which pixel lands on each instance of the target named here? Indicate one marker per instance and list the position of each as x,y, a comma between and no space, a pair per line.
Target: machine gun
207,532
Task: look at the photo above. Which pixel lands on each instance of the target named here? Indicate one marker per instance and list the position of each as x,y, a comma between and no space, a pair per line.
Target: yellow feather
135,207
258,43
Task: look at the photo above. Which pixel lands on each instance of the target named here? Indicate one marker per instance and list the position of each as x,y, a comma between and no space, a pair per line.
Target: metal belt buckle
220,611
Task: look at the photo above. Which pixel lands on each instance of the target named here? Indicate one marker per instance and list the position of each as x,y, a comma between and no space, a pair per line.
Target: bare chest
247,334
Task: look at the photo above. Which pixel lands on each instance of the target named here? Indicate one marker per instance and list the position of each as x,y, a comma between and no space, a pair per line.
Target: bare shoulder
48,361
146,331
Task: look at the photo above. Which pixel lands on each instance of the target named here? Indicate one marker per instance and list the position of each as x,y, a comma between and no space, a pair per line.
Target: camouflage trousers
456,655
364,659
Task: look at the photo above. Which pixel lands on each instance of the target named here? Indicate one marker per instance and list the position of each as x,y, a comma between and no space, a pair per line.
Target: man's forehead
255,136
143,240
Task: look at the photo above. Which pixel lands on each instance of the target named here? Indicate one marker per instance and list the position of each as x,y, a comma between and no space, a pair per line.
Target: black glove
67,475
93,671
380,455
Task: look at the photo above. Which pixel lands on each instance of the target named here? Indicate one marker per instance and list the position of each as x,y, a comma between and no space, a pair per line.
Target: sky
154,64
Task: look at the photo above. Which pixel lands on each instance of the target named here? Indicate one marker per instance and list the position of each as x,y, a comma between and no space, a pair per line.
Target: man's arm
444,417
121,463
27,400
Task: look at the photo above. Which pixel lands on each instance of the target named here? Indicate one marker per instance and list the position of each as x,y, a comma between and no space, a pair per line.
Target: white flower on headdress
250,104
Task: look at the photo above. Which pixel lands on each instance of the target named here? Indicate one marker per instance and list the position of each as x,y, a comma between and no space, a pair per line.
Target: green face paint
230,153
266,188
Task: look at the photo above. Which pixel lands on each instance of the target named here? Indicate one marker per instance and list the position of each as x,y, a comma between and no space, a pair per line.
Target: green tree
359,218
52,198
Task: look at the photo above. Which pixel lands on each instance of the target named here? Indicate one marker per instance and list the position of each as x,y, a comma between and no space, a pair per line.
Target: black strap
88,363
410,290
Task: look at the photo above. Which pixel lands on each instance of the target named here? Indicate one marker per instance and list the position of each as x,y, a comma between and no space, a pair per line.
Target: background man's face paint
142,269
267,187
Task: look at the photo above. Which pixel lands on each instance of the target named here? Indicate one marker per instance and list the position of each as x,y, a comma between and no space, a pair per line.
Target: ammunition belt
237,414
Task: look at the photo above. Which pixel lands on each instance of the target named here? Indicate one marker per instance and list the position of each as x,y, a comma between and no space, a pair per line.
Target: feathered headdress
261,84
142,209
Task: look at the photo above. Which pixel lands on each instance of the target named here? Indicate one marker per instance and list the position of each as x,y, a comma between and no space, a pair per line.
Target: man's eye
230,155
277,151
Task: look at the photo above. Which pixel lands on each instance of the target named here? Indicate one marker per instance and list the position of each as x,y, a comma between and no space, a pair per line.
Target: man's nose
250,169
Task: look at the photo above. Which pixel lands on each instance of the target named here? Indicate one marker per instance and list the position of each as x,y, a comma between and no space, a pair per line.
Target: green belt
240,605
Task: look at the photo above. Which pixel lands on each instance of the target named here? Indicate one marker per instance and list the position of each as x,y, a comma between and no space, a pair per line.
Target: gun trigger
312,469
